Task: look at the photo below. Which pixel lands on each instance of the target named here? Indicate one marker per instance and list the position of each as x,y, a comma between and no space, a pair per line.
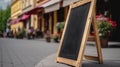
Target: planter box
104,43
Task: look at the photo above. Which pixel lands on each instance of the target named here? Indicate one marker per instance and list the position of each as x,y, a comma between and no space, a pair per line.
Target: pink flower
98,16
101,18
105,25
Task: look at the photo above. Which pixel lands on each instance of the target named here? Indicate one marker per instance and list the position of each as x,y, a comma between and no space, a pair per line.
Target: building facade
47,17
39,14
28,19
16,11
45,14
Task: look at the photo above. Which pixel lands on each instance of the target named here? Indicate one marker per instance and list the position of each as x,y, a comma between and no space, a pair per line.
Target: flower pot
104,42
56,39
48,39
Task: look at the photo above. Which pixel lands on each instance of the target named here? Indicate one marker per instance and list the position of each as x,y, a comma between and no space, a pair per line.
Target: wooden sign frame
91,19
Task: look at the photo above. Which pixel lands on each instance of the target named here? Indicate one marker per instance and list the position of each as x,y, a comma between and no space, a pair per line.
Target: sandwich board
75,35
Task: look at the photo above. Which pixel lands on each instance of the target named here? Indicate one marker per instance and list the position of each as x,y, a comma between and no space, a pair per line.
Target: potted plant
47,35
56,37
59,31
21,34
105,27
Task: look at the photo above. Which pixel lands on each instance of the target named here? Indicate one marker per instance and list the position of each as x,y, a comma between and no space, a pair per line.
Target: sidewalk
39,53
111,57
50,62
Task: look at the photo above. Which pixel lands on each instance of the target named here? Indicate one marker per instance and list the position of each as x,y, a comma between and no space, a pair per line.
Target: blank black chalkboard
74,32
77,27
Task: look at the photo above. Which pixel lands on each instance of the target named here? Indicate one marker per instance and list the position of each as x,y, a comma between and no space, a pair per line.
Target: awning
24,17
68,2
32,11
15,21
51,5
48,6
12,22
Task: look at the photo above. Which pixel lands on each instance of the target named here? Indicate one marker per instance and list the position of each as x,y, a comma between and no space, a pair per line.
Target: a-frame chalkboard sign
75,35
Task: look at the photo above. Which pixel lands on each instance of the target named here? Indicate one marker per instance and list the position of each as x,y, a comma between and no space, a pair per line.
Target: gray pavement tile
108,63
0,64
39,65
5,56
15,59
29,65
0,54
7,65
19,65
50,62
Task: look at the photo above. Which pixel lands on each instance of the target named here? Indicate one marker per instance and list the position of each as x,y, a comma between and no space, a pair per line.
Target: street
24,53
38,53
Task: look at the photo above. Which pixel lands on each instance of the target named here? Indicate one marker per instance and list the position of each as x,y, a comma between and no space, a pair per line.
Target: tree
4,16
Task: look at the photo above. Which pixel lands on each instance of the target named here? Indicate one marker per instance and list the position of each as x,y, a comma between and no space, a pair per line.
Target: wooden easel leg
97,41
78,65
98,46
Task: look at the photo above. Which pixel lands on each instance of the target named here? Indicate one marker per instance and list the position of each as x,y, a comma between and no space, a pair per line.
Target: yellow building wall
16,8
14,27
34,21
40,2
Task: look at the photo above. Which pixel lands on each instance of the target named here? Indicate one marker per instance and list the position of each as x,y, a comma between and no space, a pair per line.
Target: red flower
113,23
92,34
